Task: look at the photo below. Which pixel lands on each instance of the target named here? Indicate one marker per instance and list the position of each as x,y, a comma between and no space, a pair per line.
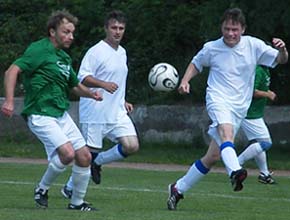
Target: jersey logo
64,69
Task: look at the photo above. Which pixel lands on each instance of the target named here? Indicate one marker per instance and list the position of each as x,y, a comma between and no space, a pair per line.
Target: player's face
63,37
114,32
232,32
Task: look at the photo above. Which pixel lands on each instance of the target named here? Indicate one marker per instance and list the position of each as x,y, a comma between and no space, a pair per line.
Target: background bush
157,31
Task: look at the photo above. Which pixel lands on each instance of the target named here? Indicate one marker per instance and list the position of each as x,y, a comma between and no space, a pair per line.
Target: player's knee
266,145
131,148
83,157
66,153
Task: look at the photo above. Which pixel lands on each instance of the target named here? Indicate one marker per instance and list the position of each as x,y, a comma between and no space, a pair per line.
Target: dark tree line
157,31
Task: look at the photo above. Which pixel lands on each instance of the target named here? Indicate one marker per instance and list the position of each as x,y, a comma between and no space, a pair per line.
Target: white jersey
232,71
104,63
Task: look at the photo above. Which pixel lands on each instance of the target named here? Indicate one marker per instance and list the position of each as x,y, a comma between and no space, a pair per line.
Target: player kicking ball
232,60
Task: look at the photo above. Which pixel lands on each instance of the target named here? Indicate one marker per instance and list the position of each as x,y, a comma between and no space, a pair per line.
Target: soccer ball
163,77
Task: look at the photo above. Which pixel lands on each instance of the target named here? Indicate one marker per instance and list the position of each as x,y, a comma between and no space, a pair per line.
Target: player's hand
278,43
110,87
129,107
98,96
7,108
272,95
184,88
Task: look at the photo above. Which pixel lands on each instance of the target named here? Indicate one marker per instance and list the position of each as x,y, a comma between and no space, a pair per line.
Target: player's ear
243,30
52,32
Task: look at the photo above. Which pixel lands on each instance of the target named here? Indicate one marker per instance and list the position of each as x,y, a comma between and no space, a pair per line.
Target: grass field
131,194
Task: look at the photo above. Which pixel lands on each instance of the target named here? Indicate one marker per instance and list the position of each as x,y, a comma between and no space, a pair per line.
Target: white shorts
95,132
222,116
255,129
54,132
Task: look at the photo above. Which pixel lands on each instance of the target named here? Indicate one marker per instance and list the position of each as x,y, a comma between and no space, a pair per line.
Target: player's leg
125,135
260,141
59,153
265,175
81,166
223,130
195,173
257,132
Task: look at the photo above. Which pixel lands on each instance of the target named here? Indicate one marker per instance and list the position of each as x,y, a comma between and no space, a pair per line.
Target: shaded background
157,31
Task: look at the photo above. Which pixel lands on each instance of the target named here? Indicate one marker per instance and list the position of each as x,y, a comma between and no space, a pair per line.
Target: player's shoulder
252,39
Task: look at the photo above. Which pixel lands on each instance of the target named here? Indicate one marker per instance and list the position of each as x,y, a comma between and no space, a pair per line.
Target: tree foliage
157,31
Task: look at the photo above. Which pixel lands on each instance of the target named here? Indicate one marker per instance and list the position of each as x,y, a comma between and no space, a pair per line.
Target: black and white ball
163,77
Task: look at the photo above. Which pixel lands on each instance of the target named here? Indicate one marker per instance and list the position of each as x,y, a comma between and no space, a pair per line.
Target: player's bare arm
265,94
90,81
283,53
190,72
9,84
83,91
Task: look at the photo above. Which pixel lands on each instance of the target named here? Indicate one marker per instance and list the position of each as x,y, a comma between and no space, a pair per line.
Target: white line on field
195,194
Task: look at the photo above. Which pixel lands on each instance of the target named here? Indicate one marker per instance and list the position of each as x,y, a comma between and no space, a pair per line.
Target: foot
173,197
96,173
237,179
266,179
66,192
41,197
82,207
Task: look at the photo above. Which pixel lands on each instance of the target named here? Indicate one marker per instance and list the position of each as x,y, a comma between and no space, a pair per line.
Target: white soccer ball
163,77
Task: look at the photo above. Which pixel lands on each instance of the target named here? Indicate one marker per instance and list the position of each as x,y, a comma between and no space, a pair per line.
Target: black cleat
262,178
82,207
41,197
237,179
67,193
96,173
173,197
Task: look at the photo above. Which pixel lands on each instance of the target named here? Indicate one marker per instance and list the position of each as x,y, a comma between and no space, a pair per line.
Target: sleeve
30,60
266,55
201,59
89,65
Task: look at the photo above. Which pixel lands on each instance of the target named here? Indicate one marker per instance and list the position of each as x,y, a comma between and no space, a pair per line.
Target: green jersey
47,78
262,83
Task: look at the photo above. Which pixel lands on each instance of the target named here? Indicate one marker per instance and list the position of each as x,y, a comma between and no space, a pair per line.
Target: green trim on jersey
47,78
262,83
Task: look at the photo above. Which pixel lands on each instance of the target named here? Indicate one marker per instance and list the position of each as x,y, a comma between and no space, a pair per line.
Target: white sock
80,179
261,161
192,176
55,167
230,159
69,183
113,154
250,152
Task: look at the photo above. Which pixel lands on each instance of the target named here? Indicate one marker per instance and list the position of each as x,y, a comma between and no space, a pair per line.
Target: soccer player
255,128
232,60
104,68
48,77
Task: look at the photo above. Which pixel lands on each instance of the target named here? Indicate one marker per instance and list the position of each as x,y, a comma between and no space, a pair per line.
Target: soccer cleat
173,197
237,179
82,207
96,173
266,179
41,197
66,192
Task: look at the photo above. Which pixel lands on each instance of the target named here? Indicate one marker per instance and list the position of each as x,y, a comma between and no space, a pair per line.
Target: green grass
130,194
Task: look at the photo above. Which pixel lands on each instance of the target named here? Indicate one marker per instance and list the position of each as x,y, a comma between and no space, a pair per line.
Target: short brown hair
116,15
56,18
234,14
